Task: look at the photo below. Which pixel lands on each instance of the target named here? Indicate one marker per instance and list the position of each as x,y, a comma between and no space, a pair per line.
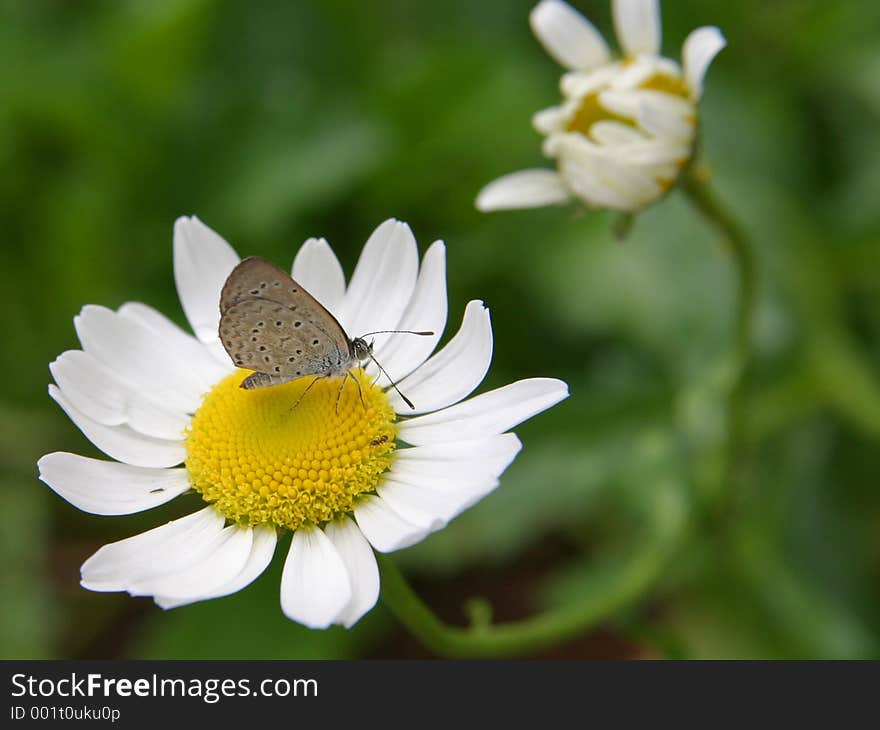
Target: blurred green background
275,121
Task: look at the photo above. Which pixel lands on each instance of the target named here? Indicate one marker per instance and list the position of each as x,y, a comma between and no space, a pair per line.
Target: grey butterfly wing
255,277
270,324
262,335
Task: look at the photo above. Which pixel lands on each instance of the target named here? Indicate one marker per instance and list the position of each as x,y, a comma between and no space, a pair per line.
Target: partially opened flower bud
626,127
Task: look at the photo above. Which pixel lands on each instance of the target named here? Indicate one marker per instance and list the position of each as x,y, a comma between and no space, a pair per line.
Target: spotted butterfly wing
270,324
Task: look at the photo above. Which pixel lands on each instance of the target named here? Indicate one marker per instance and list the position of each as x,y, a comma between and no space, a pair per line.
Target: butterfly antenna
393,384
396,332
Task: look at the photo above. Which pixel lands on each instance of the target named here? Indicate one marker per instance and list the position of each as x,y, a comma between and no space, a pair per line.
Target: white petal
575,85
604,192
120,564
146,418
454,372
386,530
198,357
315,587
636,71
262,549
98,393
568,36
211,564
630,103
430,485
457,463
523,189
653,152
319,271
431,507
587,185
402,353
141,358
551,120
667,123
108,487
614,133
603,176
202,261
668,102
428,507
622,103
637,24
383,281
484,415
700,47
88,385
363,573
121,442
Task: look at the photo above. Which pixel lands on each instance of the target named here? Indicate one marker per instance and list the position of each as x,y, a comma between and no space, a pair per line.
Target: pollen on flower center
590,111
666,83
261,461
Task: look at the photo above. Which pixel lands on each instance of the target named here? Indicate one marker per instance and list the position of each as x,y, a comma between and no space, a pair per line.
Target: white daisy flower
342,475
626,127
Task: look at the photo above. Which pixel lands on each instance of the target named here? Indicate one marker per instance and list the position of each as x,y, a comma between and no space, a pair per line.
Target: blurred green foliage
274,121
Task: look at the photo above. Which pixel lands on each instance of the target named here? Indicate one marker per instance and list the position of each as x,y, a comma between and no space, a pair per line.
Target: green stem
708,204
528,636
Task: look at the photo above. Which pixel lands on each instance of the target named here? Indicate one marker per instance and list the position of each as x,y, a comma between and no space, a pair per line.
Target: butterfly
270,324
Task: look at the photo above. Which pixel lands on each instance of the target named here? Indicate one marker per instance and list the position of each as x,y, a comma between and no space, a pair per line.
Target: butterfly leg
308,388
341,388
345,378
360,391
376,379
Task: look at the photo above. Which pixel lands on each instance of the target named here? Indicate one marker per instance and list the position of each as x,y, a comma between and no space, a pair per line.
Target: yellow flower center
590,110
260,460
667,83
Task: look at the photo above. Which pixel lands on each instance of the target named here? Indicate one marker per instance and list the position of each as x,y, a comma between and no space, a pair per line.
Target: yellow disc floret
262,458
590,109
589,112
667,83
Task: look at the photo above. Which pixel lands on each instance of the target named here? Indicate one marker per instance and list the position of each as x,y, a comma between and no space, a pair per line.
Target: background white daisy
626,127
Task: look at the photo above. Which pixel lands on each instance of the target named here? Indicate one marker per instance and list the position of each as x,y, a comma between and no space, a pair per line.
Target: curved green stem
707,203
618,589
509,639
